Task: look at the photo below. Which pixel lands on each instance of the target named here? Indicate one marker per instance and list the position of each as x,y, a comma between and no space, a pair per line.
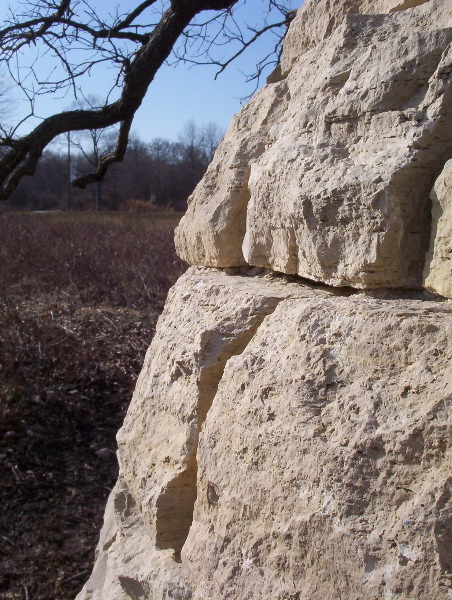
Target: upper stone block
316,20
326,174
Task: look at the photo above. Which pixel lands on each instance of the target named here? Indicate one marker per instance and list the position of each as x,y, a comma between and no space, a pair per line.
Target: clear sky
178,94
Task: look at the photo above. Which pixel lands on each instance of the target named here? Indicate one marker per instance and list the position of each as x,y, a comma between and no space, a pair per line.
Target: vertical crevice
175,505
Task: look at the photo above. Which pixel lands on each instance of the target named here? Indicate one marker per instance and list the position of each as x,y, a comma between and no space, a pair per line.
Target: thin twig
76,575
8,540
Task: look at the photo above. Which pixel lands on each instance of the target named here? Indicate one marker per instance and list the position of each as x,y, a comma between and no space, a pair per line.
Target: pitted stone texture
324,465
338,191
438,264
341,196
325,459
317,19
209,317
285,441
127,565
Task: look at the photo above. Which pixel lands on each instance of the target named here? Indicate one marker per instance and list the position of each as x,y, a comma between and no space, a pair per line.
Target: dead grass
79,298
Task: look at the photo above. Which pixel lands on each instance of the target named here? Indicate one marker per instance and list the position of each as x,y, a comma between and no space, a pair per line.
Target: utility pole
69,170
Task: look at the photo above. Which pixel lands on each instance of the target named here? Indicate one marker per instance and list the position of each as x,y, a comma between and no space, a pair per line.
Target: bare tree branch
201,40
137,49
107,159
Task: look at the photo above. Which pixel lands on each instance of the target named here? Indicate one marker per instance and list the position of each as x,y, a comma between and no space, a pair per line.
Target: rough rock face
327,173
290,439
212,231
314,26
322,462
209,317
331,480
438,264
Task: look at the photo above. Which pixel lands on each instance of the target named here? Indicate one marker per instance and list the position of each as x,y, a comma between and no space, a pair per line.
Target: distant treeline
161,173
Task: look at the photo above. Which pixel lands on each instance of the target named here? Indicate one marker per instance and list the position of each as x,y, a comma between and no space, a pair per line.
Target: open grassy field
80,294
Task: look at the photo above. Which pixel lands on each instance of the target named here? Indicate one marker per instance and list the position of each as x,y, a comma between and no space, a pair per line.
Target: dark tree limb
197,47
22,159
136,49
107,159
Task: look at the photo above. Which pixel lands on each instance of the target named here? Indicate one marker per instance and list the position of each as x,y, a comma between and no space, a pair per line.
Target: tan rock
438,264
332,478
322,467
317,19
287,439
338,189
211,232
209,317
127,565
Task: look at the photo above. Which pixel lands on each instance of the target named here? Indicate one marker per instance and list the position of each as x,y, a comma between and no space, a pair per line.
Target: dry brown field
80,294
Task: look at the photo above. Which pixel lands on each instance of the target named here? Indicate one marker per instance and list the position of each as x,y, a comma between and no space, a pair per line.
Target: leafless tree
94,143
6,103
198,146
211,137
135,43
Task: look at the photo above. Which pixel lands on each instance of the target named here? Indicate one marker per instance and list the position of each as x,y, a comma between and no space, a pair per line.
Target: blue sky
179,93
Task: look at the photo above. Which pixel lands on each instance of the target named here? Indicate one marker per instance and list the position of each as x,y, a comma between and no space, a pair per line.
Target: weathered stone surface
211,232
336,187
321,470
317,19
287,439
209,317
438,264
332,480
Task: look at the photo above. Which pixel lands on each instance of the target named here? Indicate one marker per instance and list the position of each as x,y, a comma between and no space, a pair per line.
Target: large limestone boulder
438,264
327,173
289,439
284,441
